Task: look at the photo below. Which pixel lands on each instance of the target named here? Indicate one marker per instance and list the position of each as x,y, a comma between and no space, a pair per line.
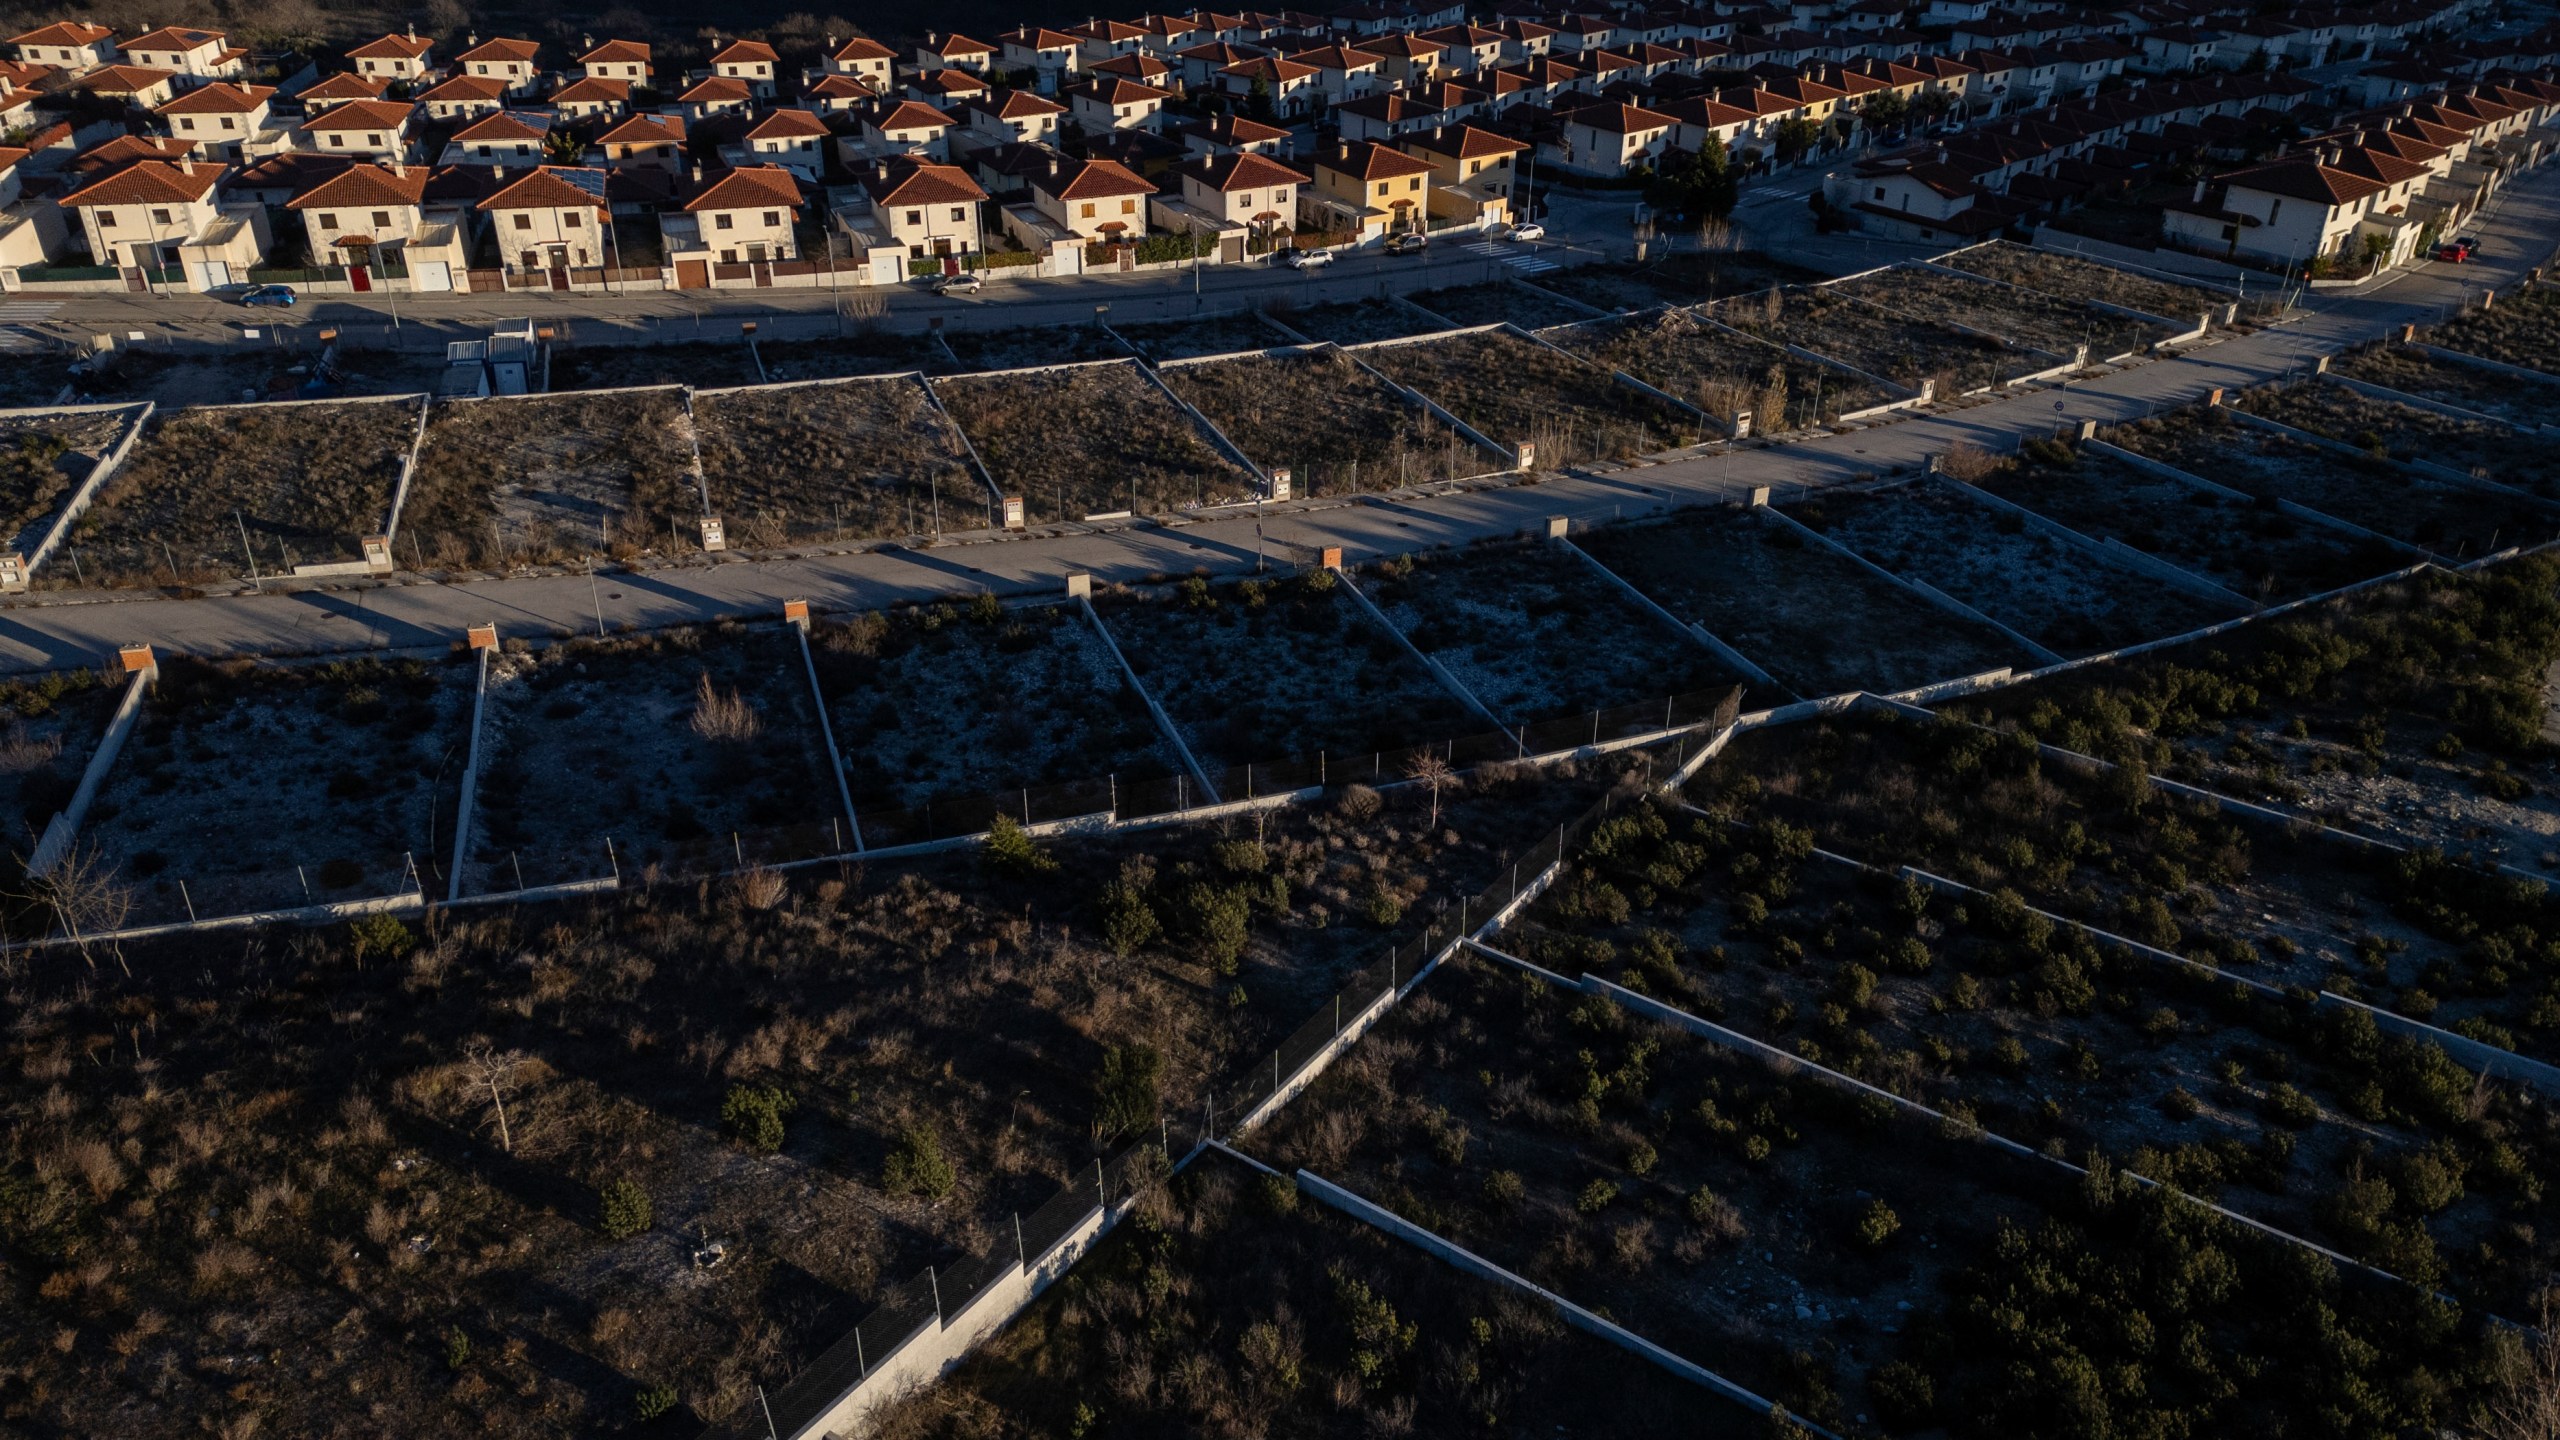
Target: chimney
2199,195
471,40
400,169
500,171
1942,154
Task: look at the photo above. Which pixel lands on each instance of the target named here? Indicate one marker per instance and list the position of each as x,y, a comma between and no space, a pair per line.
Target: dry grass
2069,275
1336,427
1497,300
2521,328
2475,447
1214,335
1084,441
1037,345
730,718
1508,390
43,458
555,476
1905,350
2022,317
306,482
860,460
2412,371
1689,277
1354,322
1721,372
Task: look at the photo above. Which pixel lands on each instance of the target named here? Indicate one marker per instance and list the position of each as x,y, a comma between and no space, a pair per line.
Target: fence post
1021,1252
936,1282
861,1366
1337,1014
1101,1186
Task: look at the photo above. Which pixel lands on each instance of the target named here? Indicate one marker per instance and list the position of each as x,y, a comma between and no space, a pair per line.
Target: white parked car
968,282
1529,230
1305,259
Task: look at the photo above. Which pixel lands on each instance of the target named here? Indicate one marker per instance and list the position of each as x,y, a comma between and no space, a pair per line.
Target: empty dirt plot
689,748
43,458
1213,335
1303,1293
2246,547
2057,595
856,459
1291,669
1903,349
1499,300
877,352
2027,318
510,481
1511,390
2521,402
49,727
1355,322
1721,372
231,379
2075,278
2482,448
613,367
1050,345
1533,633
2443,516
1337,429
1819,622
240,772
938,709
1093,439
2522,328
294,484
1688,278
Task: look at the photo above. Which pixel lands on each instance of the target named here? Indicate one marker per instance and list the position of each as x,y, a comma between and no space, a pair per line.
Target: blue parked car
277,295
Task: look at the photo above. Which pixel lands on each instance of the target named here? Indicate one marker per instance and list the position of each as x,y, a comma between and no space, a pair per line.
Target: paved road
35,637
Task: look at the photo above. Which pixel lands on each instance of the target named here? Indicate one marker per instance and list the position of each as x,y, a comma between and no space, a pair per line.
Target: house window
373,140
106,219
229,124
728,257
1413,184
1128,207
159,217
328,221
1088,210
772,218
572,220
381,219
723,221
523,221
959,213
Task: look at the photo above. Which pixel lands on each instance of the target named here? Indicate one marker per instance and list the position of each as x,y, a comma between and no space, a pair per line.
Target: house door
761,262
360,277
1128,257
559,267
212,274
430,276
693,274
134,281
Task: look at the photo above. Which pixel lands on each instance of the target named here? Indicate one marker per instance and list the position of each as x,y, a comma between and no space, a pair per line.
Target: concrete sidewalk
50,636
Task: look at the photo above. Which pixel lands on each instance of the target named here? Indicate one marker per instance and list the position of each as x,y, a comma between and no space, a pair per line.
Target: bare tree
88,898
1429,769
495,1072
2524,1404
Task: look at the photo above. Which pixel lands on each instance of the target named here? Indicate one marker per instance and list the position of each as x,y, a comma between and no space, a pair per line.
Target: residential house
1102,39
592,98
1092,200
945,89
1463,157
919,210
718,95
1196,67
746,217
1611,139
72,45
2302,207
1148,70
166,221
1239,198
1011,116
32,232
837,94
645,142
1408,59
144,89
906,128
340,88
750,60
1233,134
550,218
1697,117
1343,73
1288,87
866,60
217,117
1369,190
1050,55
1524,40
195,56
371,219
1102,105
510,139
1466,49
405,58
514,63
955,52
795,140
1384,117
464,97
625,61
360,128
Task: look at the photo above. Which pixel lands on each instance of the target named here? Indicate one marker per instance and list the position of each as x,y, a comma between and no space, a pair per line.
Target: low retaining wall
470,778
1164,722
1925,591
90,485
63,829
1690,629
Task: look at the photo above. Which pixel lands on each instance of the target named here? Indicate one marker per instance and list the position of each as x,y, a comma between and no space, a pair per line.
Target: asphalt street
37,636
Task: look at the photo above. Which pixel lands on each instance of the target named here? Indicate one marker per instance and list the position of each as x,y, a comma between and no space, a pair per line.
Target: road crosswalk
15,315
1518,257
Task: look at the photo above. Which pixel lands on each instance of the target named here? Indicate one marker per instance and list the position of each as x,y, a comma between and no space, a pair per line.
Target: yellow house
1368,189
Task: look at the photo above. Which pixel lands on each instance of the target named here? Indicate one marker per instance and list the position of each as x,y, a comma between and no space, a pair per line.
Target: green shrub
916,1166
457,1348
1877,1224
655,1401
753,1115
1128,1089
1503,1188
378,935
1596,1197
1012,852
623,1207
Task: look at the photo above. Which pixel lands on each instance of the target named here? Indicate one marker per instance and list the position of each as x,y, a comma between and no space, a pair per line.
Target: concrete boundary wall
1164,722
2108,307
1267,352
2372,391
1585,306
1910,398
1216,437
90,484
2483,362
827,734
470,778
63,830
1508,454
1438,671
2110,552
1689,629
1378,1217
1924,590
2293,508
408,470
2445,473
968,447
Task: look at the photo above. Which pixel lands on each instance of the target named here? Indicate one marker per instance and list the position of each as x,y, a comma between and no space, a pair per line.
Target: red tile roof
718,87
912,115
1366,161
146,181
646,130
67,32
347,85
361,115
1468,143
745,52
219,98
502,50
593,90
505,125
1099,179
542,188
788,124
913,183
1224,173
750,187
863,47
364,185
393,47
174,37
482,88
124,79
617,52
